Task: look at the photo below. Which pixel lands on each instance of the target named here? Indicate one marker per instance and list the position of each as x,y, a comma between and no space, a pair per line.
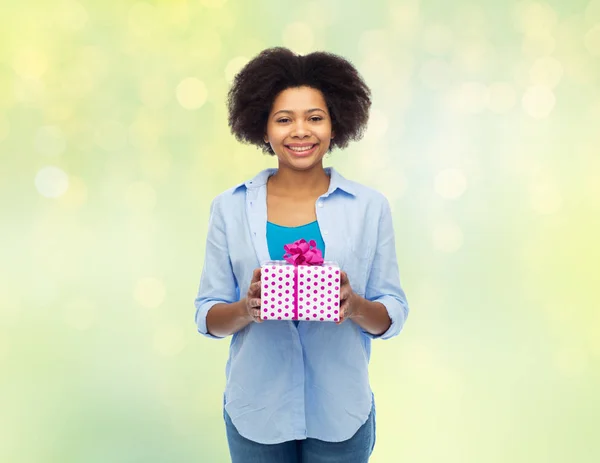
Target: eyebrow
312,110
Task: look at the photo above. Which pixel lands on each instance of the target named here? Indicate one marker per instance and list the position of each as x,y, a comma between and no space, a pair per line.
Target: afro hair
256,86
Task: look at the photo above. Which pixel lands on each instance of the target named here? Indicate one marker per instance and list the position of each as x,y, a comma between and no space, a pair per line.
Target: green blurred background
484,135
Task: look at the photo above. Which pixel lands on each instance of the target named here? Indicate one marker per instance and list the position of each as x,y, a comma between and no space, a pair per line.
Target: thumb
343,278
256,275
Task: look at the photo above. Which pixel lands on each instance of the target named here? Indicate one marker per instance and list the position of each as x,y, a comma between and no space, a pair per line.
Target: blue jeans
357,449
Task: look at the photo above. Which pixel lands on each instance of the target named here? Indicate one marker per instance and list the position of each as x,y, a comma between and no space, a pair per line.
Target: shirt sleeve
217,283
383,284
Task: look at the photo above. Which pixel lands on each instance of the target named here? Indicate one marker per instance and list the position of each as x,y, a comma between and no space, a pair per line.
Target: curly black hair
256,86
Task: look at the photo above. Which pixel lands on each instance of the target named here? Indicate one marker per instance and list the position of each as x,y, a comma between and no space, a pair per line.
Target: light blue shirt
285,382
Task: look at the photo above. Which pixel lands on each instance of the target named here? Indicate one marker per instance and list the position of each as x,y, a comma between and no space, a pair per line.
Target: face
299,128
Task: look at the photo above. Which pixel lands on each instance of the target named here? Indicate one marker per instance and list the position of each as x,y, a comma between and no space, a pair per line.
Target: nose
300,130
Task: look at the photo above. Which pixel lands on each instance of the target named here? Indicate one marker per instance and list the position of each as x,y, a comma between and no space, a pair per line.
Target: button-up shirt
286,382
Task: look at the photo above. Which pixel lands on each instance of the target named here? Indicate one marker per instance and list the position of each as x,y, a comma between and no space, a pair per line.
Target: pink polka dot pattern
277,291
318,294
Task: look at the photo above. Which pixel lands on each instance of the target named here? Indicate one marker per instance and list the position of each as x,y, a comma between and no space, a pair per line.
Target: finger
254,289
344,308
344,294
253,303
343,278
255,275
256,316
342,314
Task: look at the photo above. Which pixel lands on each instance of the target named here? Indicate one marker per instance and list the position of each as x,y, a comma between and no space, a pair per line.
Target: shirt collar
337,181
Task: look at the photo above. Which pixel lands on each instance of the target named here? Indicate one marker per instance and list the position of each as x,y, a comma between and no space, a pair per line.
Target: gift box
301,287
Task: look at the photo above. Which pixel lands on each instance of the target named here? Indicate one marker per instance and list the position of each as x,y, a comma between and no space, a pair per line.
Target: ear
332,134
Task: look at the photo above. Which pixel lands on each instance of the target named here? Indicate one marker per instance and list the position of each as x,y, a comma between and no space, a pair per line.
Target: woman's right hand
252,298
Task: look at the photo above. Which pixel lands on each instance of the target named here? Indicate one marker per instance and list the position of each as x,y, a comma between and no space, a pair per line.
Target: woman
299,391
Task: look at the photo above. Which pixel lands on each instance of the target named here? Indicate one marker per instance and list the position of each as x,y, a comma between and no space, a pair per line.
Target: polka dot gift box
301,287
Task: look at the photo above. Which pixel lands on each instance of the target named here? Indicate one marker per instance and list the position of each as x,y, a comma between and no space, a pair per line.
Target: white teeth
301,149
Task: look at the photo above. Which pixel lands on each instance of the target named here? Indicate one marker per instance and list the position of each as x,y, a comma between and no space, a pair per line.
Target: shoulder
238,191
358,191
370,193
235,196
367,196
229,198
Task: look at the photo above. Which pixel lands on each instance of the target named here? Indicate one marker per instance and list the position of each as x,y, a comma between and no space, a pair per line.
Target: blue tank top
278,236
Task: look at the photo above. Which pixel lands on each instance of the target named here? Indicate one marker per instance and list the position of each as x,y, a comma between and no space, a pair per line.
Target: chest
348,229
291,212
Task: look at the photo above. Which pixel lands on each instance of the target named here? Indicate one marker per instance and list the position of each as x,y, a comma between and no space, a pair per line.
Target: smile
301,150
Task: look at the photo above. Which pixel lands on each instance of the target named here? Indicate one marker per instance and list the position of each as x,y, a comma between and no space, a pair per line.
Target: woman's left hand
348,299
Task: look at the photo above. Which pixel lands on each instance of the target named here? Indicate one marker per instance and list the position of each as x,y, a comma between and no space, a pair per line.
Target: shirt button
325,232
320,204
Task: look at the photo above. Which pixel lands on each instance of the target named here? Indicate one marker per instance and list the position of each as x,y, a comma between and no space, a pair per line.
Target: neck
300,182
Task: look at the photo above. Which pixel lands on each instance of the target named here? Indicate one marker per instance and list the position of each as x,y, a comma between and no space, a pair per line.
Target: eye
316,118
283,120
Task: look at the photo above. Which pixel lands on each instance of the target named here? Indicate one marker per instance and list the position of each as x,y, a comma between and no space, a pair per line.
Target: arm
219,312
372,317
384,309
225,319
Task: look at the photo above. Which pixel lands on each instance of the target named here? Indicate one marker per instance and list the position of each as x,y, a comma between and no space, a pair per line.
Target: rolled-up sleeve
383,284
217,283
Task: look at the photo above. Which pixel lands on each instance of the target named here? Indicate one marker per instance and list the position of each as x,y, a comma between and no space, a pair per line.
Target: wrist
244,314
358,303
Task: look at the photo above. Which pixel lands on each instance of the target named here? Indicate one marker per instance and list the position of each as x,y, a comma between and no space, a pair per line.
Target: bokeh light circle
149,292
450,183
30,63
538,101
546,71
51,182
191,93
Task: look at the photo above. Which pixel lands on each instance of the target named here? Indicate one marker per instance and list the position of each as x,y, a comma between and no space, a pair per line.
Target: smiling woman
298,391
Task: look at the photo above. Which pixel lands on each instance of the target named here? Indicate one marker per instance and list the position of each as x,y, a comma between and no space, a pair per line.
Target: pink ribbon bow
302,253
